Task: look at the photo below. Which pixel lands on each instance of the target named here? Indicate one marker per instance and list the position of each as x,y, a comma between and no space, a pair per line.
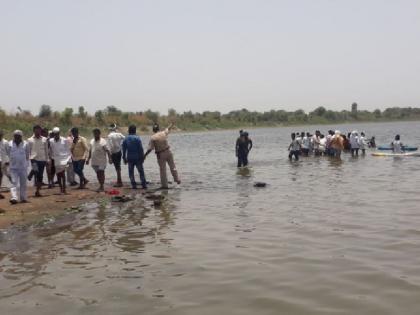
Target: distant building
354,109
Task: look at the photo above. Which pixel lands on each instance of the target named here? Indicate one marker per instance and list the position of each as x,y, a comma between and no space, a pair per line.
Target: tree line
207,120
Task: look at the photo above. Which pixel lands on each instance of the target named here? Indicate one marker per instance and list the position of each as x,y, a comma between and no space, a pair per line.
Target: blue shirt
133,149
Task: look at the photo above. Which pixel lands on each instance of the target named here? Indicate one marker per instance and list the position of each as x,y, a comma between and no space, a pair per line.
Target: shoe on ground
13,201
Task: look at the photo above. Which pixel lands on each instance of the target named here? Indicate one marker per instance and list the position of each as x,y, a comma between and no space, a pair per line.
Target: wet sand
52,203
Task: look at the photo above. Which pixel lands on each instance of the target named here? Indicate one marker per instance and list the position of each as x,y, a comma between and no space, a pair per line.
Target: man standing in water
61,154
396,145
115,140
242,148
159,143
133,154
316,140
337,144
98,154
18,152
363,143
354,143
294,148
38,150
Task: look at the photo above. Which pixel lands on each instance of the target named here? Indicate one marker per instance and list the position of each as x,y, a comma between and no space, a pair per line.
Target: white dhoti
19,183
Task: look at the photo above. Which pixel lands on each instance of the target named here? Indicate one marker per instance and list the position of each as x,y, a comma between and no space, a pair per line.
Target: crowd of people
305,144
63,158
333,144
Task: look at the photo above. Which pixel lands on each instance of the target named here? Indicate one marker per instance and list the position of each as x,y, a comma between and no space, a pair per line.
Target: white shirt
354,142
306,142
98,152
115,140
362,142
323,144
315,142
295,145
18,155
60,151
328,140
3,154
397,146
38,148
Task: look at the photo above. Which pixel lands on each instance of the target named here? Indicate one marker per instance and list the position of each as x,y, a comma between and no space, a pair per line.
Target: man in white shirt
328,149
114,141
18,153
354,143
38,154
294,148
316,140
322,144
306,143
98,155
363,143
4,160
61,154
396,145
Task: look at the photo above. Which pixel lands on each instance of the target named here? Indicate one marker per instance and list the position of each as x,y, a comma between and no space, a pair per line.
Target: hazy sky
209,55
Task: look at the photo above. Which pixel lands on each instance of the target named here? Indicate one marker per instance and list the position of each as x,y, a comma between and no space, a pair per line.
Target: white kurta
19,160
99,156
60,153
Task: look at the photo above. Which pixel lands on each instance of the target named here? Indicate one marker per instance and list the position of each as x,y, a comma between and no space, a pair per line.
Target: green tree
45,111
99,116
320,111
66,116
82,112
112,110
152,116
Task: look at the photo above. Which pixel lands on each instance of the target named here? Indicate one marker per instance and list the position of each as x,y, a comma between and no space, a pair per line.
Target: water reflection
83,243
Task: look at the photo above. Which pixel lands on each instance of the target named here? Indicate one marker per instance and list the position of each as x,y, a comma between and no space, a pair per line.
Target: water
324,237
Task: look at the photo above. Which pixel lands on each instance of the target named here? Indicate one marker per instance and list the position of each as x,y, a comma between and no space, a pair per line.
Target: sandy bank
51,203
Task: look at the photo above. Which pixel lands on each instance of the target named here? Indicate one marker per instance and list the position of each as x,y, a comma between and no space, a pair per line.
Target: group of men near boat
333,144
305,144
57,155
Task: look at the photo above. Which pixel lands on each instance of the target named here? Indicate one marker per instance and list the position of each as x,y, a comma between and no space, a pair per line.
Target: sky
209,55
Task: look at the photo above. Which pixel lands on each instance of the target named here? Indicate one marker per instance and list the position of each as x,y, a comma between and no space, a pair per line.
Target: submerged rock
260,184
157,203
122,198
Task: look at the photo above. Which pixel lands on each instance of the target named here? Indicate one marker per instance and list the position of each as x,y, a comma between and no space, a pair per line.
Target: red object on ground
113,192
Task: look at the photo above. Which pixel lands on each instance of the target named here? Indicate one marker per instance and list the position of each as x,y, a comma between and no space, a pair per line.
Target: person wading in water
242,148
159,143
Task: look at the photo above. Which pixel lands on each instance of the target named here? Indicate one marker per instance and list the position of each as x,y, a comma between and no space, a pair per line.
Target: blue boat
406,148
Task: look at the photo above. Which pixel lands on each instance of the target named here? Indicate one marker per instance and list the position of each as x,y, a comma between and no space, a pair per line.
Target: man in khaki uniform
159,143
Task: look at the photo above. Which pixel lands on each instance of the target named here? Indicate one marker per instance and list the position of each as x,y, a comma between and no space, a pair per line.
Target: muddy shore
50,204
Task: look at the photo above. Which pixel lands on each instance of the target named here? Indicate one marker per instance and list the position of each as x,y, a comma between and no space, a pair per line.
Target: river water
324,237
